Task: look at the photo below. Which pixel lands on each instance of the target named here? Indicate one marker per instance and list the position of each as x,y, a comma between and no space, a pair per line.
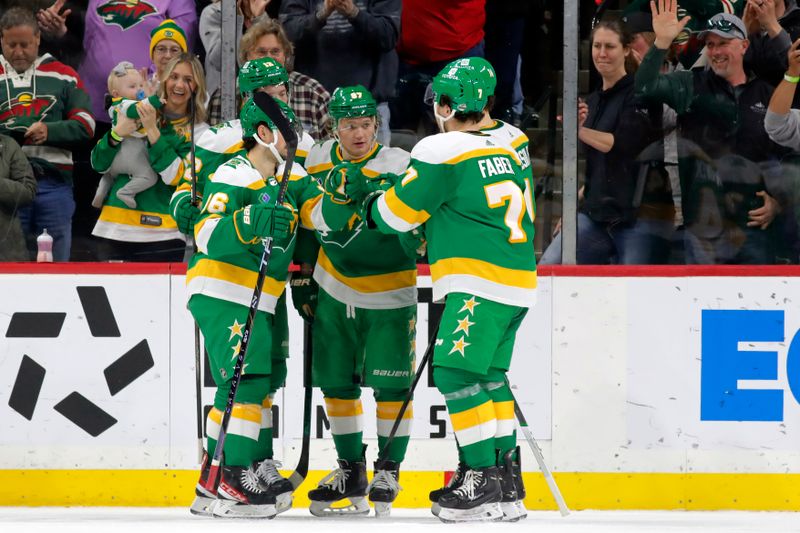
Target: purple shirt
117,31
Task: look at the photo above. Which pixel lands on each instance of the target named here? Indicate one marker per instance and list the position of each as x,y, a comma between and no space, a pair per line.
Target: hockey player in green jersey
224,141
216,146
508,454
366,314
469,190
238,212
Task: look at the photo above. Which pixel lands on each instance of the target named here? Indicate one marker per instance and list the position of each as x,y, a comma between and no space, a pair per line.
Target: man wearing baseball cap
720,126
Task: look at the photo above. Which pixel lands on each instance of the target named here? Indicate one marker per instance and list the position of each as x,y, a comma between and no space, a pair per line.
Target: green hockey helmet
352,102
252,115
468,88
262,72
482,68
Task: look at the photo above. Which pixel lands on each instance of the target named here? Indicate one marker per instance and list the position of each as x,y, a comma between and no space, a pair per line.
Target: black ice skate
512,487
349,481
275,484
384,487
203,498
241,495
477,499
452,484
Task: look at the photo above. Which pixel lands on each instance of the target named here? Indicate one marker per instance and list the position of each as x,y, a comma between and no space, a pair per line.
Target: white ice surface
174,520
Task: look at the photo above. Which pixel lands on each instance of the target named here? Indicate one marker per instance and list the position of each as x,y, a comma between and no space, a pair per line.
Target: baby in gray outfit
126,87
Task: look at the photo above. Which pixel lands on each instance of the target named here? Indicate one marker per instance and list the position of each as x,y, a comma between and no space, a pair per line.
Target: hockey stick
198,369
537,452
301,470
383,452
271,109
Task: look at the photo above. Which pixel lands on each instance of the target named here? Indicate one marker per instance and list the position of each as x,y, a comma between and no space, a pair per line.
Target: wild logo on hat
125,13
168,30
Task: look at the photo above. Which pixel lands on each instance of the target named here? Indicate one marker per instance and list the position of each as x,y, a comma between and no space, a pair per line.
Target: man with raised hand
729,169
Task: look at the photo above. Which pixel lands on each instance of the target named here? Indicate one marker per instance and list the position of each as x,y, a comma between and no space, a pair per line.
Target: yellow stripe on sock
504,410
338,407
389,410
473,417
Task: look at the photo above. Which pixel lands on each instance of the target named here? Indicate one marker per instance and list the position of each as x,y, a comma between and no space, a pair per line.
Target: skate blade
488,512
202,506
234,509
283,502
382,509
201,490
436,508
357,506
513,511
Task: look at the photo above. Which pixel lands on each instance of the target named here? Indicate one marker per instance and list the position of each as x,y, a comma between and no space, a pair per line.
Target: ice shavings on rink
174,520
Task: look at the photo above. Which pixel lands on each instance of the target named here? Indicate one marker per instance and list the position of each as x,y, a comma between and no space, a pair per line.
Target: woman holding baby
134,222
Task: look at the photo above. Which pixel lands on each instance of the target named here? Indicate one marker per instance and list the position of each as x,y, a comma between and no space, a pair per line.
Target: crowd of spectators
691,154
65,62
688,147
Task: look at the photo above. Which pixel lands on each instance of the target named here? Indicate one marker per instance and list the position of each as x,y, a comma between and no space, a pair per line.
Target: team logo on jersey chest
125,13
26,106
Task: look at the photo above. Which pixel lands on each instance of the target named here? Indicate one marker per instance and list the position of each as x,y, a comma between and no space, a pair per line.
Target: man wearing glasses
728,166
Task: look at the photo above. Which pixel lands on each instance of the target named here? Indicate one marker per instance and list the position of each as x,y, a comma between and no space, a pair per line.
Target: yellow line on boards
596,490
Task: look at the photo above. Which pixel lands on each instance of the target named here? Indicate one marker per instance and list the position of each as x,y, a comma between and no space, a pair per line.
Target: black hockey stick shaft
192,158
268,105
301,470
537,453
198,369
383,452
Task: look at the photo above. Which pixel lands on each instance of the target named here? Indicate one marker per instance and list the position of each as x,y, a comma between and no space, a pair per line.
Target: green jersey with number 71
470,191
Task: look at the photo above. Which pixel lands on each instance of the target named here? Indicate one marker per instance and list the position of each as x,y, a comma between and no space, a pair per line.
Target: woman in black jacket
614,129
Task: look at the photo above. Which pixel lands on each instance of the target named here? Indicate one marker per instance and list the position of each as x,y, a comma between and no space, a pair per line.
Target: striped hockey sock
473,417
505,438
347,425
387,413
241,443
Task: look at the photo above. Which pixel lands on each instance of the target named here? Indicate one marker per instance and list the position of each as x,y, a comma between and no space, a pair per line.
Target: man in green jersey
468,188
364,327
238,212
508,453
215,147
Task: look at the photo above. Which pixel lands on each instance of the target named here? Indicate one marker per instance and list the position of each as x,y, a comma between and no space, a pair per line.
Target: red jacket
439,30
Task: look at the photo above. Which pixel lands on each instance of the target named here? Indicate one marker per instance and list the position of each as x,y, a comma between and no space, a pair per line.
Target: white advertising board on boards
98,373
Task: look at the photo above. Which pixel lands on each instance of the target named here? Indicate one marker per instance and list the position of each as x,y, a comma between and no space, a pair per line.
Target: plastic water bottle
44,245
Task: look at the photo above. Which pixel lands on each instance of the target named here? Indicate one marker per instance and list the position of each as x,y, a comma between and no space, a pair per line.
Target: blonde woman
147,232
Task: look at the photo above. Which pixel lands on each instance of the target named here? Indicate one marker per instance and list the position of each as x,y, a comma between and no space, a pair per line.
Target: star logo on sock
412,324
236,329
463,325
459,346
469,305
